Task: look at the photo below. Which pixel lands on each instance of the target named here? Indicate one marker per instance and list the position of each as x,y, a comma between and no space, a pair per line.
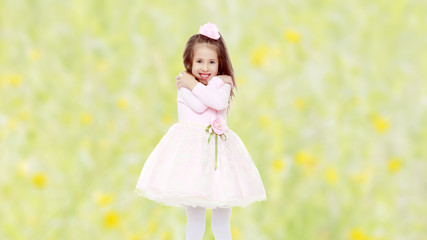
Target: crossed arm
187,97
199,97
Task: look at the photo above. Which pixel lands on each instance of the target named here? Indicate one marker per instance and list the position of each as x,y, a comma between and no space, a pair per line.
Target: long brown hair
224,63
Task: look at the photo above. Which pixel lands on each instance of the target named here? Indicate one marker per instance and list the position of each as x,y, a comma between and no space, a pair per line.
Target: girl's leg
195,223
221,223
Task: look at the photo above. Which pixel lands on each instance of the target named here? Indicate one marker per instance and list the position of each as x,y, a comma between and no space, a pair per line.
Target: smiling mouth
204,76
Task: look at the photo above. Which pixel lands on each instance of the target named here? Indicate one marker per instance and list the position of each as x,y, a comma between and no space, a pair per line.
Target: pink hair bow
209,30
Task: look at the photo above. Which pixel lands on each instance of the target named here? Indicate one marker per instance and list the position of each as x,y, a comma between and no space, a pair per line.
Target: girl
200,163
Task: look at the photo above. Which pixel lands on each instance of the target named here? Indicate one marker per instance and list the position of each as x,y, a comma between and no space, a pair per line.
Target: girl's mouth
204,76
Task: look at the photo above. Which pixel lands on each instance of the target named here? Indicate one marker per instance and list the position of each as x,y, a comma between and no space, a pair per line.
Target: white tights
196,223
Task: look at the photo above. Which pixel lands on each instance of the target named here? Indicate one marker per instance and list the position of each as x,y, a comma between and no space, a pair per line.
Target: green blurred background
331,105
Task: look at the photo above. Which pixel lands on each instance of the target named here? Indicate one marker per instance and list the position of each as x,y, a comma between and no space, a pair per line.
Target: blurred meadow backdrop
331,104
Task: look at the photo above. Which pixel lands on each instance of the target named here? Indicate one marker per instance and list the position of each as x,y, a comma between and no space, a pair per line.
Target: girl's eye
212,62
199,61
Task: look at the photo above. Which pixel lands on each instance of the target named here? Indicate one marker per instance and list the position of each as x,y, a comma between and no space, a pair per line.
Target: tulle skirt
181,170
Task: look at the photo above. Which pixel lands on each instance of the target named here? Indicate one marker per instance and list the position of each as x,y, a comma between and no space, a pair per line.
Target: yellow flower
86,118
292,36
236,233
34,55
259,56
111,219
331,175
39,180
15,80
307,161
166,235
304,158
278,165
152,227
300,103
394,165
357,234
167,119
264,121
122,103
381,124
104,199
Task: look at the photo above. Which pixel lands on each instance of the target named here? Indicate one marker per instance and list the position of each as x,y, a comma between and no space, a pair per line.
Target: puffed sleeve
187,97
215,95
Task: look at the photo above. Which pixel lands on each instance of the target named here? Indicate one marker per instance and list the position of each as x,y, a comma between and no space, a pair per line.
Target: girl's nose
205,67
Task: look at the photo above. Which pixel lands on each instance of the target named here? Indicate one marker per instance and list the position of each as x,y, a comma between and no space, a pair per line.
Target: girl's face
205,63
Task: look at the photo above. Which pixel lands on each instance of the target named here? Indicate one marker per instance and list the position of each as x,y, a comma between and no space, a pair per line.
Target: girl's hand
227,80
186,80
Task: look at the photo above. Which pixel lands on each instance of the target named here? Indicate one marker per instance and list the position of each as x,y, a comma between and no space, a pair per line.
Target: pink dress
181,169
